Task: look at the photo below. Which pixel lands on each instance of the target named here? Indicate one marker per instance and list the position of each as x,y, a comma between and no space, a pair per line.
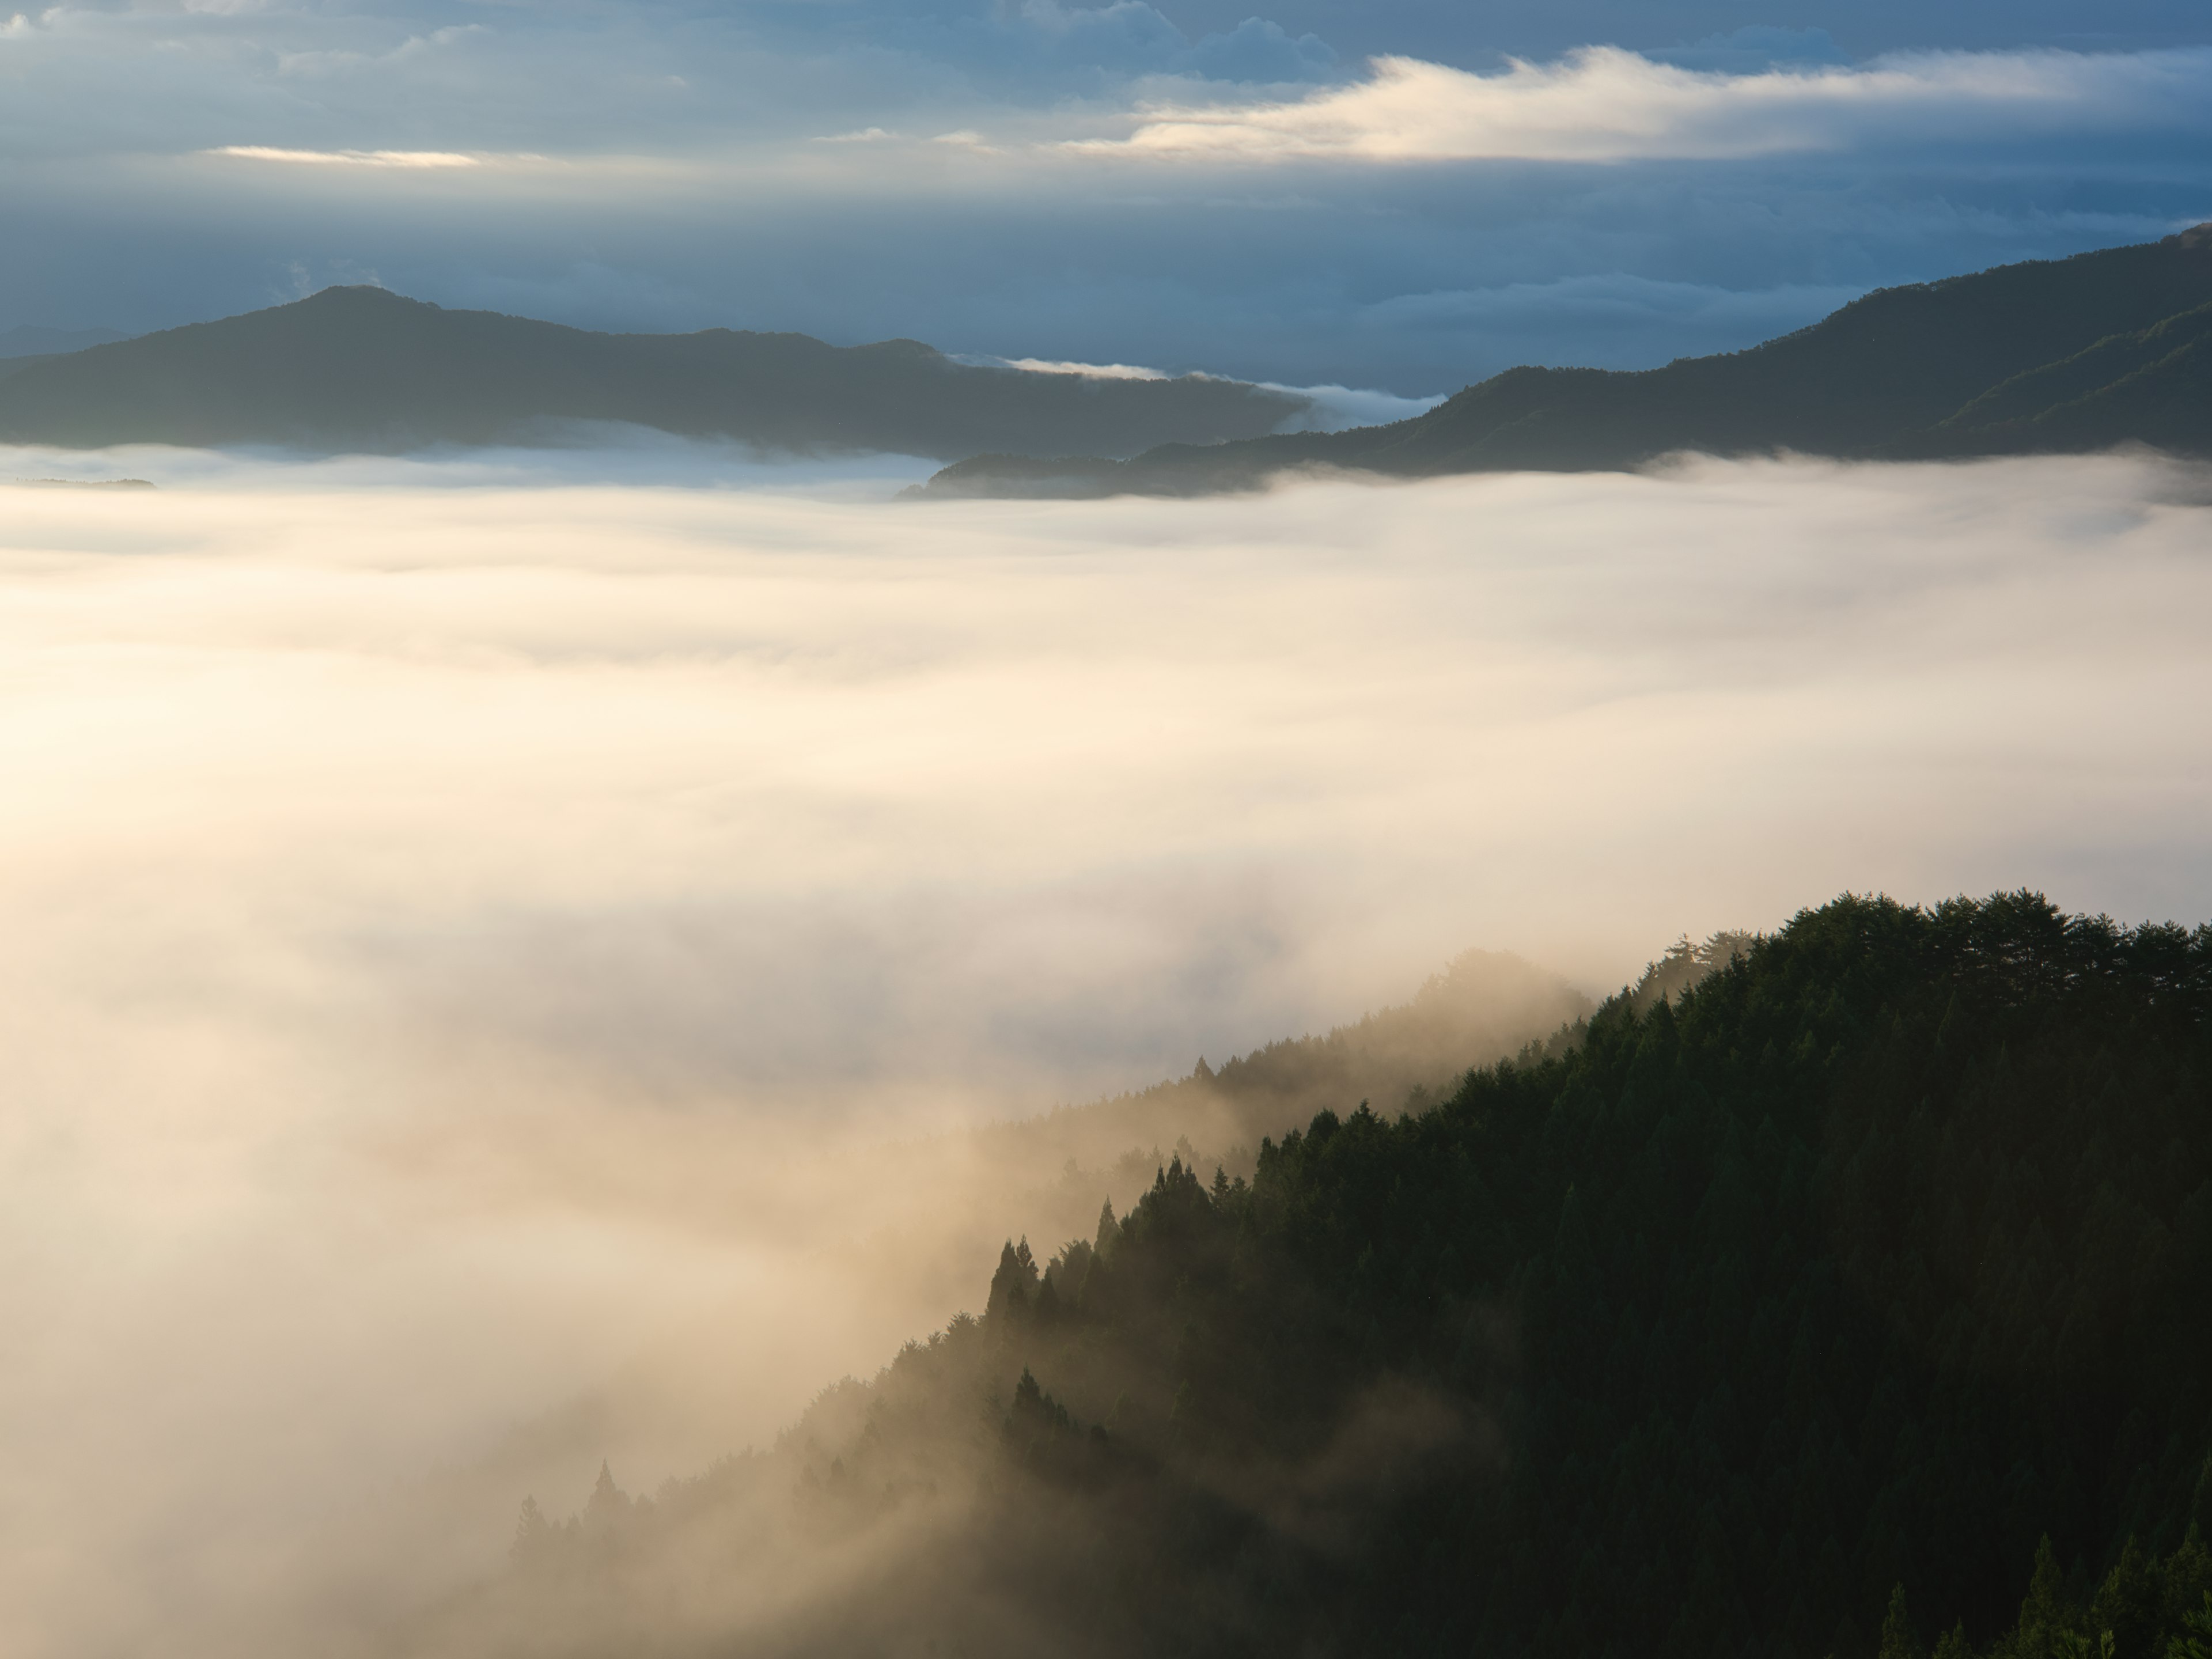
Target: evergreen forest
1839,1293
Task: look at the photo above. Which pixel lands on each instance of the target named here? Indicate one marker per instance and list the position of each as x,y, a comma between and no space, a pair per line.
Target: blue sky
1395,195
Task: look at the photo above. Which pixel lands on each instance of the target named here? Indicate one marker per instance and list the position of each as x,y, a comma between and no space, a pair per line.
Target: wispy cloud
1096,371
349,158
1602,104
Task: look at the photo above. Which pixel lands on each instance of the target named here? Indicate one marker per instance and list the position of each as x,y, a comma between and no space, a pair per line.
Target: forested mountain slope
1760,1321
358,368
2078,354
1484,1006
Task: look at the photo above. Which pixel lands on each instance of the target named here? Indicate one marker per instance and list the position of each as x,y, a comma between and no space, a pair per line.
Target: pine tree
2044,1623
533,1536
2196,1640
1008,1303
1897,1639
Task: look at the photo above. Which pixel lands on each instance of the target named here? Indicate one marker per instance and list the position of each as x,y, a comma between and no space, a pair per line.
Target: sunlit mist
475,951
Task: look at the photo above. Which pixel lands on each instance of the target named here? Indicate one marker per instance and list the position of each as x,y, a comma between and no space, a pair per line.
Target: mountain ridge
359,368
36,340
1889,376
1826,1279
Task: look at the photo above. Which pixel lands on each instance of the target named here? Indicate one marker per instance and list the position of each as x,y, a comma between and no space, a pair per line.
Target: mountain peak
358,294
357,367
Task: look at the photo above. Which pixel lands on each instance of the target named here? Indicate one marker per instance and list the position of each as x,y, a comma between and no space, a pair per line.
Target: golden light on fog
442,930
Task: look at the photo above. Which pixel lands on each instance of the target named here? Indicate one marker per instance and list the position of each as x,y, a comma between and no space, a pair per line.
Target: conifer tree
1898,1639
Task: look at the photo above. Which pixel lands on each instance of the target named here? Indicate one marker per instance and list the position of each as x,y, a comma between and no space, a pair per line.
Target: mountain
28,340
2060,356
361,369
1835,1290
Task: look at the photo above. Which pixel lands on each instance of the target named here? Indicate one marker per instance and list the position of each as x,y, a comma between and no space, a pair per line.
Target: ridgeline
360,369
2067,355
1849,1301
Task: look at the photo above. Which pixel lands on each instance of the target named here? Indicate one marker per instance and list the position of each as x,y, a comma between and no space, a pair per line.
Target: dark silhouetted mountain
28,340
1826,1282
361,369
2063,356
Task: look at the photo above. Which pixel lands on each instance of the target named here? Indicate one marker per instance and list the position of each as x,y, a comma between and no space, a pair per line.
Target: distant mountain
2065,355
361,369
28,340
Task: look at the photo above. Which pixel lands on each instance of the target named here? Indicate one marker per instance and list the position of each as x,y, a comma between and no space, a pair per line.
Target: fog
493,966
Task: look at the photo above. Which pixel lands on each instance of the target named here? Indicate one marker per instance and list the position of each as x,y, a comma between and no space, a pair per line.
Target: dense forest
1840,1293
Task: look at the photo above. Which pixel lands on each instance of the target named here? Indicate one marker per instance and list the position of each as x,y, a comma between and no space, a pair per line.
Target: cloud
1096,371
1335,408
1748,51
1602,104
706,203
464,943
1257,50
424,158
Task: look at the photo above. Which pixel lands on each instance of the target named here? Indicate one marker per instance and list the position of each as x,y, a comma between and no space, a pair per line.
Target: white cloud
1602,104
376,856
1096,371
349,158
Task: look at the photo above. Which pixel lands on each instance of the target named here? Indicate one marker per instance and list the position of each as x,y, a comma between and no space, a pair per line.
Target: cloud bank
1602,104
349,158
460,938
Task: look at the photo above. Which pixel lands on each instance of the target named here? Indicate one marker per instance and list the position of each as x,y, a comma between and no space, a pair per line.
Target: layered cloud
1176,185
349,158
1602,104
458,940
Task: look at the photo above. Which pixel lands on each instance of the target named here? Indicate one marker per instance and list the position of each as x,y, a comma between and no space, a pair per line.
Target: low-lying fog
464,950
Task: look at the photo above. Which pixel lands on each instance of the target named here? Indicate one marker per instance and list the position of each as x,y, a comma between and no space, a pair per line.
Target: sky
1397,196
473,932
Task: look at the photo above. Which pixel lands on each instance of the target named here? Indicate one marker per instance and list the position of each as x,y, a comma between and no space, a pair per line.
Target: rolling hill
361,369
2056,355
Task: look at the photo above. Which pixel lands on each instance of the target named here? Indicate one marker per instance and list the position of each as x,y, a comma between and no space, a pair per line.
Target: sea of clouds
467,934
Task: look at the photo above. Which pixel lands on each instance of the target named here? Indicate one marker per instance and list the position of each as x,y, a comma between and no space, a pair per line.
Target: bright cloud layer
349,158
1602,104
420,906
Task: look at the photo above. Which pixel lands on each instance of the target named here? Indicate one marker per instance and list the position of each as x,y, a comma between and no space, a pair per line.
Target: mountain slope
2152,387
1752,1322
358,368
29,340
1896,373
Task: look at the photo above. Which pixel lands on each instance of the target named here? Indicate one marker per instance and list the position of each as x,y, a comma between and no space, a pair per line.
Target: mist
499,971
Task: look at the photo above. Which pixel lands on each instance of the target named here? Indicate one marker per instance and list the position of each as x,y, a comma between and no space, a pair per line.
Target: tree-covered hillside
1861,1287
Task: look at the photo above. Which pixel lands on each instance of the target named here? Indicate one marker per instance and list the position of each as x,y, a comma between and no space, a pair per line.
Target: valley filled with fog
501,960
